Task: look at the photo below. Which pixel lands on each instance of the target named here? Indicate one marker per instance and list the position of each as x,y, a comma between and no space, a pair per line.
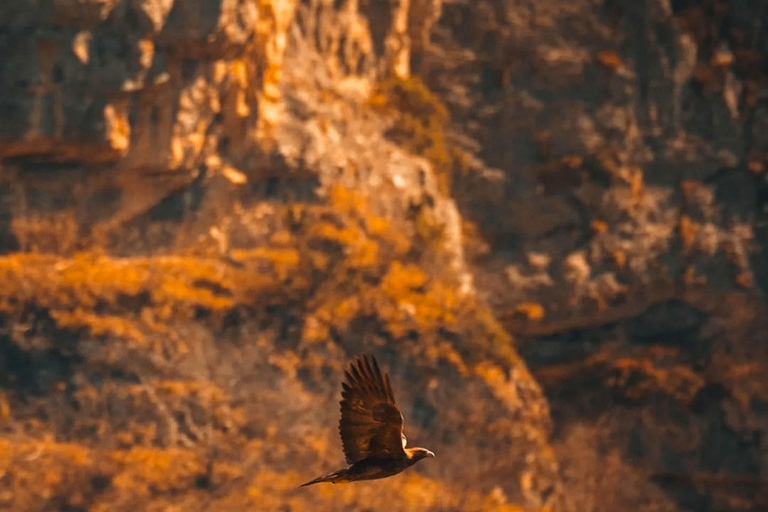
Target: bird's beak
430,454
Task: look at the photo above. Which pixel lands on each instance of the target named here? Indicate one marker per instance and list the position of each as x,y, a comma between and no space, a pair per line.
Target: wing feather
370,425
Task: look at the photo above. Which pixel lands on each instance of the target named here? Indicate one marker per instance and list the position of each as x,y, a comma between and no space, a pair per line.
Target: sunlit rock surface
547,220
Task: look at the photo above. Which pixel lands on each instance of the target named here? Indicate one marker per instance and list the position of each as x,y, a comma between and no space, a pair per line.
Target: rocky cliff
207,207
620,192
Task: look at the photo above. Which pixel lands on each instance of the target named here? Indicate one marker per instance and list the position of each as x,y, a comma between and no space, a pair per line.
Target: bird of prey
371,427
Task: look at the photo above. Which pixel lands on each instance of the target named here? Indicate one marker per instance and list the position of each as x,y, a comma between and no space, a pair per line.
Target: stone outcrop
619,186
204,214
206,207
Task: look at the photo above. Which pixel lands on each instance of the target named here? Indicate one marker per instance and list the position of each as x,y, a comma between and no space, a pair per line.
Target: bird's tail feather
333,478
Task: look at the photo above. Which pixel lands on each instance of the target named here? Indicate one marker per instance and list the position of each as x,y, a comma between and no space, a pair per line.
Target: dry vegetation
420,123
137,416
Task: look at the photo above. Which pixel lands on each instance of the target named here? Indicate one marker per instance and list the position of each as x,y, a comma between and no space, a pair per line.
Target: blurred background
547,219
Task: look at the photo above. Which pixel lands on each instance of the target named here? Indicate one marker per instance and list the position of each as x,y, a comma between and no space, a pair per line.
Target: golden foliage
334,264
415,303
420,123
358,249
99,325
146,470
412,491
688,230
371,279
639,377
40,470
599,227
636,376
619,257
610,60
43,475
281,262
129,298
88,280
383,229
348,202
5,407
530,310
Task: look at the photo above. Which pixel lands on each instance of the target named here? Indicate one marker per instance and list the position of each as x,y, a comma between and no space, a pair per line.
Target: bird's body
371,468
371,427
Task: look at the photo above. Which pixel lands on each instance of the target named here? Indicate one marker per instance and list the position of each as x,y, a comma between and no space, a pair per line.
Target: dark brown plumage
371,427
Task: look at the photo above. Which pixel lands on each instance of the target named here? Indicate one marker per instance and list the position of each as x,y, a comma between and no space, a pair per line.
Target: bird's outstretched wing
371,425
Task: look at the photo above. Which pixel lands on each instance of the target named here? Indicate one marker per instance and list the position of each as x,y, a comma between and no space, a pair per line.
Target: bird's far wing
371,424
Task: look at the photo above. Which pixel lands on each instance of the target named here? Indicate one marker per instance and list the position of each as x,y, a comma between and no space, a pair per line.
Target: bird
370,427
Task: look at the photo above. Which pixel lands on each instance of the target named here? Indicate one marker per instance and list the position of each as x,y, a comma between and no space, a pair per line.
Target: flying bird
371,427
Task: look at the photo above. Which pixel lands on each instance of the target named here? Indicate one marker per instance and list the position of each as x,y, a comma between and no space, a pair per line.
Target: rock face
207,207
618,179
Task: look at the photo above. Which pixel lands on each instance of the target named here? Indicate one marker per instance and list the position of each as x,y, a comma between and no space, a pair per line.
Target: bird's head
416,454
